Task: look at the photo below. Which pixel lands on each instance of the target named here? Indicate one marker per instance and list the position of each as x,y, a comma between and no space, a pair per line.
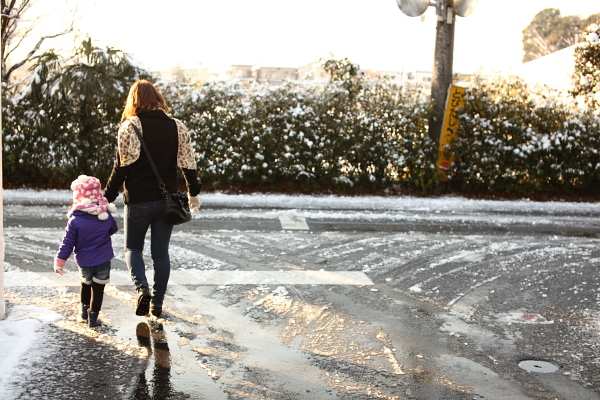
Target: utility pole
442,65
446,11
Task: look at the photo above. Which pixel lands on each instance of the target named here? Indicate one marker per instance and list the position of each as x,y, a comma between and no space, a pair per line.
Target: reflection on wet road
155,381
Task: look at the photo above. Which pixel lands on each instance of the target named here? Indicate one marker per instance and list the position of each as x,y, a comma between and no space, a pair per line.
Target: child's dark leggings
92,295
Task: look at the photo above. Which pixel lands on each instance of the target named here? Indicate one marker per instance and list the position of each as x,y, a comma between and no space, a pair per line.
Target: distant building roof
554,70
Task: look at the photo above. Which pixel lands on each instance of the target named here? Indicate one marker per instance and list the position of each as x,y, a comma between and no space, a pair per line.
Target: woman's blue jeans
138,218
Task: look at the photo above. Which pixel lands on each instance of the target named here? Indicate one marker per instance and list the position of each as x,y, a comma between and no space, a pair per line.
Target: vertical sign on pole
448,134
441,78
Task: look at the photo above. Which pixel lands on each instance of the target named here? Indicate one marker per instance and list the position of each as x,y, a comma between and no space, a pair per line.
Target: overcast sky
372,33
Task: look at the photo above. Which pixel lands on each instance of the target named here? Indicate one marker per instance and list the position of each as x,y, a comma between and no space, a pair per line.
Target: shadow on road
155,381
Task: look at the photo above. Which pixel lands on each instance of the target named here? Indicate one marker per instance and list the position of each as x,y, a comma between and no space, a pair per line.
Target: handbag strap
150,160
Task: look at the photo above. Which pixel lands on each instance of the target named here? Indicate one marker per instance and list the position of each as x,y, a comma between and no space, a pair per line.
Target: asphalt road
349,305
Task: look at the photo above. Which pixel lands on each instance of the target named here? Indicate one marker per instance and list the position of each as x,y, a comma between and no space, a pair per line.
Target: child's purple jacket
89,238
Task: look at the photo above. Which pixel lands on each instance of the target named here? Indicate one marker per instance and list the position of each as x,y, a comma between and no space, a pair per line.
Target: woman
170,146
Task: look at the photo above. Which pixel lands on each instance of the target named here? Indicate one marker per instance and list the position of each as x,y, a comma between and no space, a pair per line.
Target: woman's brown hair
143,96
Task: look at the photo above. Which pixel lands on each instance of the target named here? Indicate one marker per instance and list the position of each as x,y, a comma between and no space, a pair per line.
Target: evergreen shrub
64,122
350,134
523,140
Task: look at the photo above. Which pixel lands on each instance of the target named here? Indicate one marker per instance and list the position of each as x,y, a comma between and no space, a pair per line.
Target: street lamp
444,49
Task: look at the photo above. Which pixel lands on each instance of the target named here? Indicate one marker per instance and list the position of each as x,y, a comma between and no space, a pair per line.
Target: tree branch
30,55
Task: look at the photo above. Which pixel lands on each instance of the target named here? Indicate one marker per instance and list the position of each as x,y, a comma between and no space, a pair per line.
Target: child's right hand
59,266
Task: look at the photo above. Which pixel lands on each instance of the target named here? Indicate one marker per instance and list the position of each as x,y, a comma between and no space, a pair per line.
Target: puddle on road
525,318
167,374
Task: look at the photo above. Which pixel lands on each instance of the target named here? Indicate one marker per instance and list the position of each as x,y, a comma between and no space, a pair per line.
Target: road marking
293,222
273,277
197,277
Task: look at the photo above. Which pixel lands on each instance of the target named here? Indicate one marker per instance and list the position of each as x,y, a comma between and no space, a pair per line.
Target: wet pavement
273,303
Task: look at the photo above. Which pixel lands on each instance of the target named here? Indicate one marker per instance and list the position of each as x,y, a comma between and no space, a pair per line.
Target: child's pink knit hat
87,196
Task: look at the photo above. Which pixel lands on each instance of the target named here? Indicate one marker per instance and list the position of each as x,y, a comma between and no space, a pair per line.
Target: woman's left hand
194,203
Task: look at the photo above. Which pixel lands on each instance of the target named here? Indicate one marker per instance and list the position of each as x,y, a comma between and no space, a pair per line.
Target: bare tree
17,26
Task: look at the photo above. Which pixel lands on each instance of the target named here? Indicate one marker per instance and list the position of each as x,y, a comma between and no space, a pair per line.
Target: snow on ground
22,327
341,203
18,332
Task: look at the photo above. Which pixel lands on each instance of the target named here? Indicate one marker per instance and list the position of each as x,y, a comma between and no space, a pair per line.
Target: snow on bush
587,68
349,135
526,140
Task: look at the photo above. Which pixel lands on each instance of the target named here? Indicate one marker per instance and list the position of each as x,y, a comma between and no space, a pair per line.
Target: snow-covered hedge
358,135
525,140
301,137
63,123
350,135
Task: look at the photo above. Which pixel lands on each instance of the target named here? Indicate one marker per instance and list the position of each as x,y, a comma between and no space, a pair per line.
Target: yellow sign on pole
453,103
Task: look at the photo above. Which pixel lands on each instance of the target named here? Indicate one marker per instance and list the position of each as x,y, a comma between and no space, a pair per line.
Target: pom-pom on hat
87,196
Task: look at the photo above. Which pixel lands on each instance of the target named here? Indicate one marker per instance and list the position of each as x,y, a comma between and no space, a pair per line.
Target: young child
88,235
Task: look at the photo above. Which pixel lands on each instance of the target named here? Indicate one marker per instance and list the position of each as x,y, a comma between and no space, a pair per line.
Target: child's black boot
84,312
93,321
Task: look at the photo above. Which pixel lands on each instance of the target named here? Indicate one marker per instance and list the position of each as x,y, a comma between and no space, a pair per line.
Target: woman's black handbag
177,208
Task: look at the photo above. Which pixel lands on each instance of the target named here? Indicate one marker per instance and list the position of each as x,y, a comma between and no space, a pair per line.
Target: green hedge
522,140
307,138
64,122
352,135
